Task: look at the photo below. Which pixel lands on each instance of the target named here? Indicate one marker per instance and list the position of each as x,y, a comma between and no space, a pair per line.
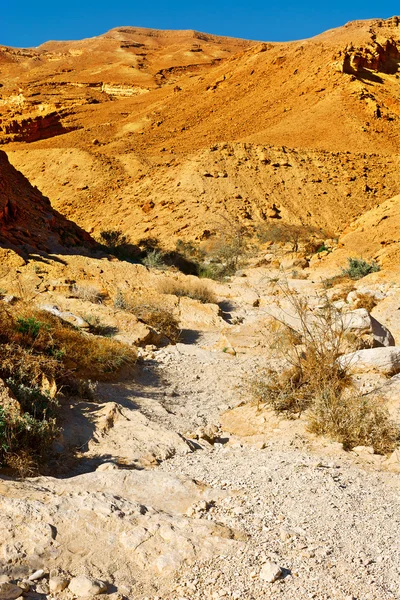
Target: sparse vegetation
359,268
191,288
316,383
97,327
88,293
154,260
287,233
37,347
366,301
159,318
113,238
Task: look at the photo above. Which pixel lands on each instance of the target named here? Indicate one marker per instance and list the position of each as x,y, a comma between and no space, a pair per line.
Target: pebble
36,575
9,591
270,572
83,586
58,584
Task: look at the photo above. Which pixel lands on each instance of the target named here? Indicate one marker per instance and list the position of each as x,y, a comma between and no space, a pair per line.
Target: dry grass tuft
197,290
159,318
353,420
366,301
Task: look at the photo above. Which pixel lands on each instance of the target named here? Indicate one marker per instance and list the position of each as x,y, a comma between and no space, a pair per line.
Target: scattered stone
270,572
82,586
9,591
58,584
36,575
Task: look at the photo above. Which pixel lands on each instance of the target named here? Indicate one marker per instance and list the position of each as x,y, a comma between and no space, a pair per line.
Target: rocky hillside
171,127
28,223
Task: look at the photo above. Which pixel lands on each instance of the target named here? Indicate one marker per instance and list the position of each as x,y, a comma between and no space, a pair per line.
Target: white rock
57,584
9,591
82,586
270,572
361,323
36,575
384,360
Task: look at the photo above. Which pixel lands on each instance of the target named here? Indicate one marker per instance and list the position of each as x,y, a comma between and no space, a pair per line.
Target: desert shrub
36,347
287,233
88,293
228,249
366,301
358,268
353,420
158,317
315,382
98,328
154,259
53,349
197,290
113,238
215,271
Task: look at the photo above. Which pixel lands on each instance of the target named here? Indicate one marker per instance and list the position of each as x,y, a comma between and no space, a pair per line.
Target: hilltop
172,129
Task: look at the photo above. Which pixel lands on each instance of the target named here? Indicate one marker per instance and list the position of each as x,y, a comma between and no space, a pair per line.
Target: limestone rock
83,586
370,333
57,584
383,360
270,572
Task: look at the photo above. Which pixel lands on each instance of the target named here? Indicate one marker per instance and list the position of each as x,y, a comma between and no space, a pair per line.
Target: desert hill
158,133
28,223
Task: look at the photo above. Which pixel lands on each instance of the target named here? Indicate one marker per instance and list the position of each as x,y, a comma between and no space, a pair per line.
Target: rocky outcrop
68,524
28,222
32,129
381,58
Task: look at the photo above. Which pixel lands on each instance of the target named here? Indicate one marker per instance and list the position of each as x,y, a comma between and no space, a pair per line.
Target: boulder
384,360
370,333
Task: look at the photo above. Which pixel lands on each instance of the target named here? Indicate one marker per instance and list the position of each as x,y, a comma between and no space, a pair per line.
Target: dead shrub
189,288
366,301
88,293
316,383
353,420
159,318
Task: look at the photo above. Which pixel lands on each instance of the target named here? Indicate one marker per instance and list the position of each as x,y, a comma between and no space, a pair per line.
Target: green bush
154,260
358,268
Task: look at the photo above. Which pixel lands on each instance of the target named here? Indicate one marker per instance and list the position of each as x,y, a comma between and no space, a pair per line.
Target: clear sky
29,23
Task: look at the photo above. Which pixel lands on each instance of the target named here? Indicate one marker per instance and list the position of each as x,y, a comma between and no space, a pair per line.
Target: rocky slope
169,127
28,222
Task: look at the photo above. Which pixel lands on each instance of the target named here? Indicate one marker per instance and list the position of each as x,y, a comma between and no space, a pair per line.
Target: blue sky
27,23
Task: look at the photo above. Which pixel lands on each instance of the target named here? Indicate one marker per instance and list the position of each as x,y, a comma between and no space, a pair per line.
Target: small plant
314,381
190,288
113,238
287,233
154,260
158,317
323,248
120,301
366,301
359,268
98,328
29,326
353,420
88,293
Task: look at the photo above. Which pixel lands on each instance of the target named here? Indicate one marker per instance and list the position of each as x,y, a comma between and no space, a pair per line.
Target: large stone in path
383,360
